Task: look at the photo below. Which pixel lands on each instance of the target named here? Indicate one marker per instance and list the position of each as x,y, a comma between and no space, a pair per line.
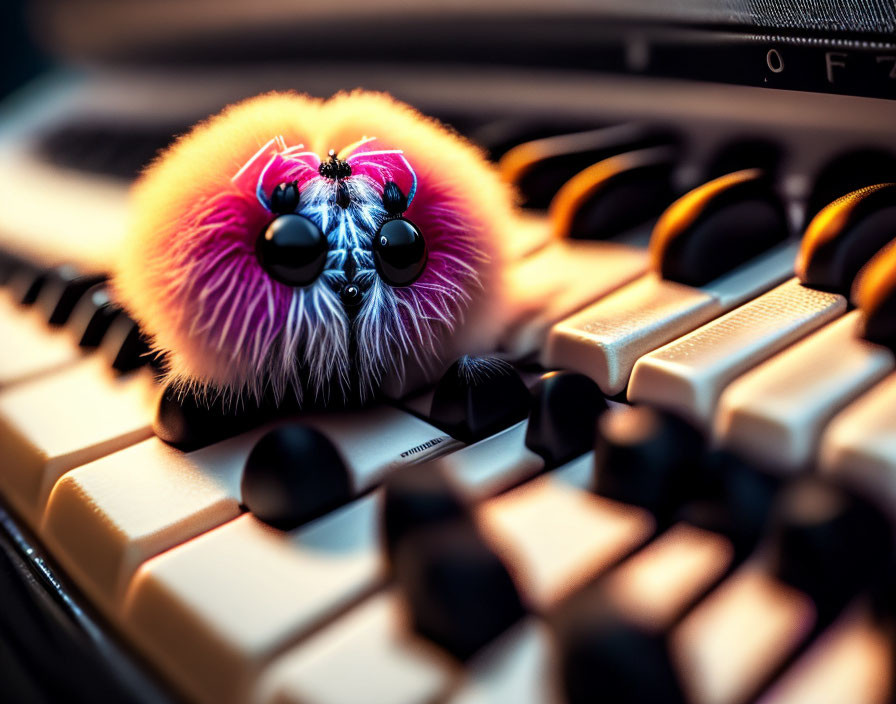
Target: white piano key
555,537
851,662
30,346
516,668
605,339
489,466
64,419
689,374
367,655
859,445
775,413
211,612
318,569
558,280
82,226
736,637
659,582
376,441
104,519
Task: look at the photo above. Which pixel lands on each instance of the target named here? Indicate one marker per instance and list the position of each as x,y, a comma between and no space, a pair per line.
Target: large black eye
292,250
285,198
399,252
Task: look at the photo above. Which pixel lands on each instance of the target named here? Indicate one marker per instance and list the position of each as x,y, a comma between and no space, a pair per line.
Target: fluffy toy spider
295,245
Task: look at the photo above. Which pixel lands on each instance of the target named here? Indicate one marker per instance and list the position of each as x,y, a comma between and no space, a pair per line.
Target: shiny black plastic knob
827,542
459,593
189,422
285,198
292,250
477,397
294,474
845,235
646,457
717,227
399,252
565,408
417,497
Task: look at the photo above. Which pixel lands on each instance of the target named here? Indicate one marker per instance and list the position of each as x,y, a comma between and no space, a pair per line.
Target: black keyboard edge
52,649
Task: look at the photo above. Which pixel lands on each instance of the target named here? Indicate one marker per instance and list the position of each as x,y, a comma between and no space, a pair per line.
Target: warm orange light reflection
678,216
826,225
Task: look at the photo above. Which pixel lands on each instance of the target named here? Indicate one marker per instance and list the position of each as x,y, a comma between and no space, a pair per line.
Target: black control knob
845,235
416,497
717,227
614,195
565,408
294,474
477,397
459,593
646,457
189,422
827,542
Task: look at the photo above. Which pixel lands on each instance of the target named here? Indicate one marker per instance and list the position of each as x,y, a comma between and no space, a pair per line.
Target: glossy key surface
64,419
211,612
788,400
367,655
30,347
689,374
605,339
560,279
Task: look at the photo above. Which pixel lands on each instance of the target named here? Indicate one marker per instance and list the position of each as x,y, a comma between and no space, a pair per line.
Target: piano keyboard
681,488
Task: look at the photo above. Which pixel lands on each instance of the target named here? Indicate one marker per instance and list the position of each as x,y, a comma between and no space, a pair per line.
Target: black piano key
616,194
540,167
565,408
189,421
294,474
63,289
417,497
478,397
459,593
875,295
647,457
718,226
26,282
845,235
848,172
827,542
745,153
124,345
604,656
735,498
92,316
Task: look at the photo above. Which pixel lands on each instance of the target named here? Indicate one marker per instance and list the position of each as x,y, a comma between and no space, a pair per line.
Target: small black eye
285,198
292,250
394,201
399,252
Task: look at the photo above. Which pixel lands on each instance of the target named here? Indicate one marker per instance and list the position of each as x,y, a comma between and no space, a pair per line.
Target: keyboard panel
227,609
